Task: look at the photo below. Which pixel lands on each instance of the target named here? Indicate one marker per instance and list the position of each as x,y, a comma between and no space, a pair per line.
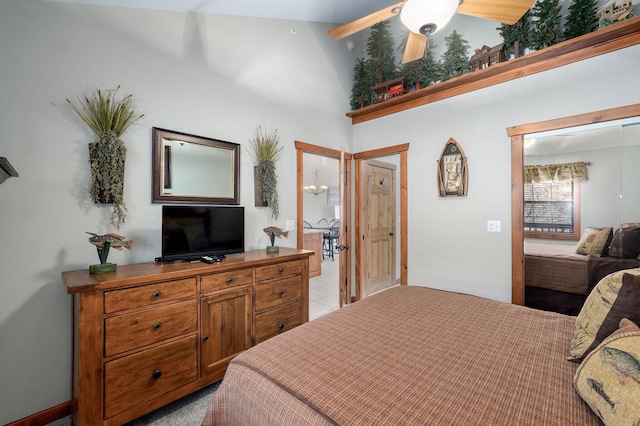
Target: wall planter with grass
108,118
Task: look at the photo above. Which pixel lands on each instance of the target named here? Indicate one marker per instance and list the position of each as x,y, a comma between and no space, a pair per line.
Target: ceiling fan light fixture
427,16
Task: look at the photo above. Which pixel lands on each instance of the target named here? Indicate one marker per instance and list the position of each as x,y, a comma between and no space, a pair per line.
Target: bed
557,279
409,355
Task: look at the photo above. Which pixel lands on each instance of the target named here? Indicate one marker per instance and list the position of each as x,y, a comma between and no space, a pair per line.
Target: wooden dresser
151,333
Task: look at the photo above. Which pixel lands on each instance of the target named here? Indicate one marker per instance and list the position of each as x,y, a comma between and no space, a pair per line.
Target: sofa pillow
625,243
594,241
616,296
608,380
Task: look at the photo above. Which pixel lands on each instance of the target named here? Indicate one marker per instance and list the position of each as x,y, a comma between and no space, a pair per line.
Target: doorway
327,224
377,196
348,290
517,134
399,154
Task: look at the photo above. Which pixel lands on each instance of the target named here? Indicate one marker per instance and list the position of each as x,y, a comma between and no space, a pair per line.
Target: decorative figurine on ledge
273,232
103,243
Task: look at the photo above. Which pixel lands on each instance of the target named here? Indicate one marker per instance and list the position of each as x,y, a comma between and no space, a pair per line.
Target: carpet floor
187,411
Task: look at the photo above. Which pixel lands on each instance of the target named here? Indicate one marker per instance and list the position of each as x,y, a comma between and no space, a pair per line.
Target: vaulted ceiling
329,11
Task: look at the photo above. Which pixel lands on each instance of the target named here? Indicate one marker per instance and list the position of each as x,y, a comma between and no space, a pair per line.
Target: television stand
150,333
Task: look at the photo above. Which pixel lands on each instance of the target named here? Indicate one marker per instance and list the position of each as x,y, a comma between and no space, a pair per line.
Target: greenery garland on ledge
108,118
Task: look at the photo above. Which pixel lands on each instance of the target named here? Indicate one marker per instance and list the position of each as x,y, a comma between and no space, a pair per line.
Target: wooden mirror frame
517,134
158,158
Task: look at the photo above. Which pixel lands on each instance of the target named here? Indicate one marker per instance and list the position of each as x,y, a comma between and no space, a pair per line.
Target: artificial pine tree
362,83
380,51
546,24
454,60
582,18
424,71
516,36
431,68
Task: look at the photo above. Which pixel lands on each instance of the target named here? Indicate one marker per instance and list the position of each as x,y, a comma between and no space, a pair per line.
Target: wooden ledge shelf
615,37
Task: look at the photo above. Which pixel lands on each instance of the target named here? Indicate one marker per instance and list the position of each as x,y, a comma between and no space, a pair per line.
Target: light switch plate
493,226
290,225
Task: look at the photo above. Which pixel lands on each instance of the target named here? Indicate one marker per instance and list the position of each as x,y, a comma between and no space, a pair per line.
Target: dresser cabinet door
225,330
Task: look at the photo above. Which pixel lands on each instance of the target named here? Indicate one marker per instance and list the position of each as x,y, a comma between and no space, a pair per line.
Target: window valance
556,172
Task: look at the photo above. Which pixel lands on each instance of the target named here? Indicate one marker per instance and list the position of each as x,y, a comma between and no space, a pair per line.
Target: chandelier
315,189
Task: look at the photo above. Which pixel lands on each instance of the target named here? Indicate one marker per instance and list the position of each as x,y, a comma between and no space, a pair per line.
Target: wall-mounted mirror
607,141
194,169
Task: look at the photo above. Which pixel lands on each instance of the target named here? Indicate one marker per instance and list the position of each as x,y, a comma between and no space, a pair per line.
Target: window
552,209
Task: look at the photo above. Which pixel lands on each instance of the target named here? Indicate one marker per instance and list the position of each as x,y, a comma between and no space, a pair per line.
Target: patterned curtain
555,172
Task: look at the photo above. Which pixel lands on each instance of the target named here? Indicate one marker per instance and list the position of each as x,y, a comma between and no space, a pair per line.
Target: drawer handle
156,374
156,325
229,280
205,337
281,292
281,326
281,270
156,293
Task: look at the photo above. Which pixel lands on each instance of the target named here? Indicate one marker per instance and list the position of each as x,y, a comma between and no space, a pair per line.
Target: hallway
323,290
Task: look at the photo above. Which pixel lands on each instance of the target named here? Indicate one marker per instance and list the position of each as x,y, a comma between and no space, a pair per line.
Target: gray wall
449,246
213,76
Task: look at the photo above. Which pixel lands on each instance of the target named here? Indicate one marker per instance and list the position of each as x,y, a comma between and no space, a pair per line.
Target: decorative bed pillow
625,243
594,241
616,296
609,378
630,225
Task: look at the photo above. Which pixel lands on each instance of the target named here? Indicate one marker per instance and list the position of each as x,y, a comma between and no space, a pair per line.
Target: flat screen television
190,232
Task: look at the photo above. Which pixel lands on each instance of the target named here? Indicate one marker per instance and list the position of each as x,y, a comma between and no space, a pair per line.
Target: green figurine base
273,249
102,268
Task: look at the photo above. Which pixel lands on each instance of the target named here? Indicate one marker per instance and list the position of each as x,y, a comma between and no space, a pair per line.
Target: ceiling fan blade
414,49
503,11
366,21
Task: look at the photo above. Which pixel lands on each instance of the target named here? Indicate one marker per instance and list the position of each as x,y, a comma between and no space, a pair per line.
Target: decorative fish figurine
621,362
599,389
115,241
104,242
274,231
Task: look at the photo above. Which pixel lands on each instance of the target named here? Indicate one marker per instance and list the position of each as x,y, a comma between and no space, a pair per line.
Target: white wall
449,246
213,76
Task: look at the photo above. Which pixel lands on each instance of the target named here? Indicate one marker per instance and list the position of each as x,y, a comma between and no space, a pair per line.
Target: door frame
363,215
301,149
517,134
360,157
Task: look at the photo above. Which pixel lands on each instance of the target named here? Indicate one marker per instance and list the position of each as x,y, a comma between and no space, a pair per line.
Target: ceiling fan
425,17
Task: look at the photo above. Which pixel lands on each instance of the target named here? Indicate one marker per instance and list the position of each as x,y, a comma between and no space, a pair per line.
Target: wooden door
225,329
344,284
377,219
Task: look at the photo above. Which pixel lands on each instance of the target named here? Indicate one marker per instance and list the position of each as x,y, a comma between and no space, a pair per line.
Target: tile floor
323,290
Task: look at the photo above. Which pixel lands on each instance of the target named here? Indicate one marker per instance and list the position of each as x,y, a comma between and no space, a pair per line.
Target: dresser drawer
279,292
269,272
143,376
135,297
223,280
137,329
276,321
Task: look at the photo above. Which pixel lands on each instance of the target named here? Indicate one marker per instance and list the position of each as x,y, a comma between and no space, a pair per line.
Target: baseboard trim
45,416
